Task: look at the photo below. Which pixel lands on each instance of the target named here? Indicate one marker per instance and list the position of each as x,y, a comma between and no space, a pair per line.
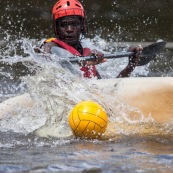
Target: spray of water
56,86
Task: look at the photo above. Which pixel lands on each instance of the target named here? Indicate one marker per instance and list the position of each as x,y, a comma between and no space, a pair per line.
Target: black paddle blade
150,52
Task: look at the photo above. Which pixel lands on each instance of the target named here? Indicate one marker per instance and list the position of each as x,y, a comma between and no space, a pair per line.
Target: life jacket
89,71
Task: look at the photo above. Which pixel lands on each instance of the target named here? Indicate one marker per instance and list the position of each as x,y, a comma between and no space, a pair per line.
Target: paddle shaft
107,56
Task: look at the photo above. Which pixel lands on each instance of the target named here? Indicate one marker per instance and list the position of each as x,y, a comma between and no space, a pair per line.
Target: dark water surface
119,20
29,154
112,21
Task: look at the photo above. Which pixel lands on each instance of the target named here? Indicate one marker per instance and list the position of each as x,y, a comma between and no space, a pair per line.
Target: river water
136,147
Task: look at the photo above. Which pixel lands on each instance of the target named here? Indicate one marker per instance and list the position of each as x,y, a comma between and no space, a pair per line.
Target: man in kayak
69,22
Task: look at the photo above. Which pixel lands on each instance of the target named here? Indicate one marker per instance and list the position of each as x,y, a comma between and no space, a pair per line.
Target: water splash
56,86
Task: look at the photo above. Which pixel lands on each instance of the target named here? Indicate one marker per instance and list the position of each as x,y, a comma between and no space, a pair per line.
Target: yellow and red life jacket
89,71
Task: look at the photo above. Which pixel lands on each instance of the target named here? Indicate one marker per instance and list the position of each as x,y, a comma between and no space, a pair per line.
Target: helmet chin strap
82,36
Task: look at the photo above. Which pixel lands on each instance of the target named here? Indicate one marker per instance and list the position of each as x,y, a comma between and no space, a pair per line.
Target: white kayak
152,96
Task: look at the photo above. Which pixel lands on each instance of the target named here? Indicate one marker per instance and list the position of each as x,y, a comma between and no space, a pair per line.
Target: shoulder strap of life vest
72,50
65,46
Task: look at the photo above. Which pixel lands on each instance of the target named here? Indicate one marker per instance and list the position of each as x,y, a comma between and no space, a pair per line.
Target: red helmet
65,8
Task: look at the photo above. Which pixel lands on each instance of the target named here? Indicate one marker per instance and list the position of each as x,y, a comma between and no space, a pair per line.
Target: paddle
148,53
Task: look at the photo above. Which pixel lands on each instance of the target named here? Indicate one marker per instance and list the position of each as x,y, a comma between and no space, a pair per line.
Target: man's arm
47,46
133,62
127,71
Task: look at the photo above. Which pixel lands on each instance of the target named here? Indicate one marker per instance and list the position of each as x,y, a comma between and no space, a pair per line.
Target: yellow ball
88,120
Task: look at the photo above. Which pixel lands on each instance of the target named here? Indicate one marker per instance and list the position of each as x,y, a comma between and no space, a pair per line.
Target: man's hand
99,58
133,60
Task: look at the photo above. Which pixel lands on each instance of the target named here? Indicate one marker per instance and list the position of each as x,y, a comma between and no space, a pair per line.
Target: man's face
69,29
